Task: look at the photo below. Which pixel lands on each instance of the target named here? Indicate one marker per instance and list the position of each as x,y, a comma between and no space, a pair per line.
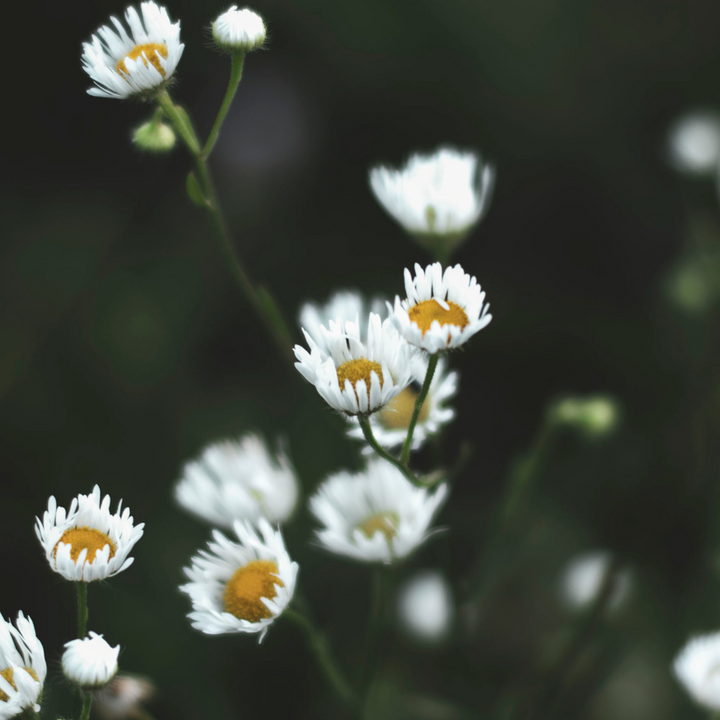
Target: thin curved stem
235,76
383,453
82,608
419,402
87,704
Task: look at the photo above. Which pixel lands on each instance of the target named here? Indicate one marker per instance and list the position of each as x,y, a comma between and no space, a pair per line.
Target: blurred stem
375,624
321,649
270,316
235,76
383,453
419,402
87,704
82,608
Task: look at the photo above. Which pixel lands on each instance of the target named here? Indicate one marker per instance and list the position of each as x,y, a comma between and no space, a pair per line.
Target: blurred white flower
425,606
596,415
87,542
122,64
90,662
583,578
443,310
376,515
239,31
122,697
238,481
697,667
241,587
693,143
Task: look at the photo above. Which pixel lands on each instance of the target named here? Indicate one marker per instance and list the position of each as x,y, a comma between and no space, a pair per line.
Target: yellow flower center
9,675
151,51
81,538
248,584
397,413
360,369
428,310
384,522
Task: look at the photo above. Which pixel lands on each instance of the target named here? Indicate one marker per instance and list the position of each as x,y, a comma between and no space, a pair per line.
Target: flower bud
595,415
239,31
154,137
90,663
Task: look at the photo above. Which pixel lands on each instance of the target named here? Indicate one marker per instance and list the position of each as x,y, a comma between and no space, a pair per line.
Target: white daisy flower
441,194
376,515
355,376
241,587
693,143
443,310
22,667
87,542
425,606
90,662
583,578
239,31
122,64
390,425
696,667
122,697
238,481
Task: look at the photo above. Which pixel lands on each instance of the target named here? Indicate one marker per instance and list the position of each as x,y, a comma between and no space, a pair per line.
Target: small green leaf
194,191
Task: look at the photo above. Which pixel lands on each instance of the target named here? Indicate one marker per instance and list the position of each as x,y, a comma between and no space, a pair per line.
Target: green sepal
194,191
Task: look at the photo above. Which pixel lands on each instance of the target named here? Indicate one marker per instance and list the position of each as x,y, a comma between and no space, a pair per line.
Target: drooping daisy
241,587
238,481
696,667
442,194
90,662
138,63
376,515
22,667
239,31
390,425
122,697
443,310
87,542
354,376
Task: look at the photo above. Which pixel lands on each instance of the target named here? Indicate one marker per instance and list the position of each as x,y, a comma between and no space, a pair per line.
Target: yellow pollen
428,310
360,369
385,522
248,584
9,675
397,413
80,538
151,51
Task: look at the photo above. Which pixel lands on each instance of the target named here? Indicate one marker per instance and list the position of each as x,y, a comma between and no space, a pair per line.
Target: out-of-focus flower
596,415
696,667
138,63
154,137
122,697
22,667
354,376
87,542
90,662
425,606
376,515
693,144
436,198
443,310
238,481
239,31
241,587
583,578
390,425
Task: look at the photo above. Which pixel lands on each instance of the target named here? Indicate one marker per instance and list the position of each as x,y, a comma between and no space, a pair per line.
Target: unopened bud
155,137
239,31
595,415
90,662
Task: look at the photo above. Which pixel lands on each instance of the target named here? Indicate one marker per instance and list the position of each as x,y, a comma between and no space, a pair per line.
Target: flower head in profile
443,310
241,587
390,425
123,64
354,375
22,667
90,662
239,31
439,195
239,480
376,515
88,542
696,667
122,697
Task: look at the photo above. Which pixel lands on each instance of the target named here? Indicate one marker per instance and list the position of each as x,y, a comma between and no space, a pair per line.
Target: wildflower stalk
87,704
419,402
82,609
383,453
236,69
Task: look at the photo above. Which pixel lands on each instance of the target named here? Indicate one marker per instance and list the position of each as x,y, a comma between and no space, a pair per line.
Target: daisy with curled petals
443,310
376,515
123,64
390,425
239,481
22,667
90,662
356,376
241,586
87,542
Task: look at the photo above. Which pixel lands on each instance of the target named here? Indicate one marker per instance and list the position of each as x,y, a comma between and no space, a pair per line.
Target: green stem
87,704
82,609
319,645
178,117
235,76
432,364
383,453
374,627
